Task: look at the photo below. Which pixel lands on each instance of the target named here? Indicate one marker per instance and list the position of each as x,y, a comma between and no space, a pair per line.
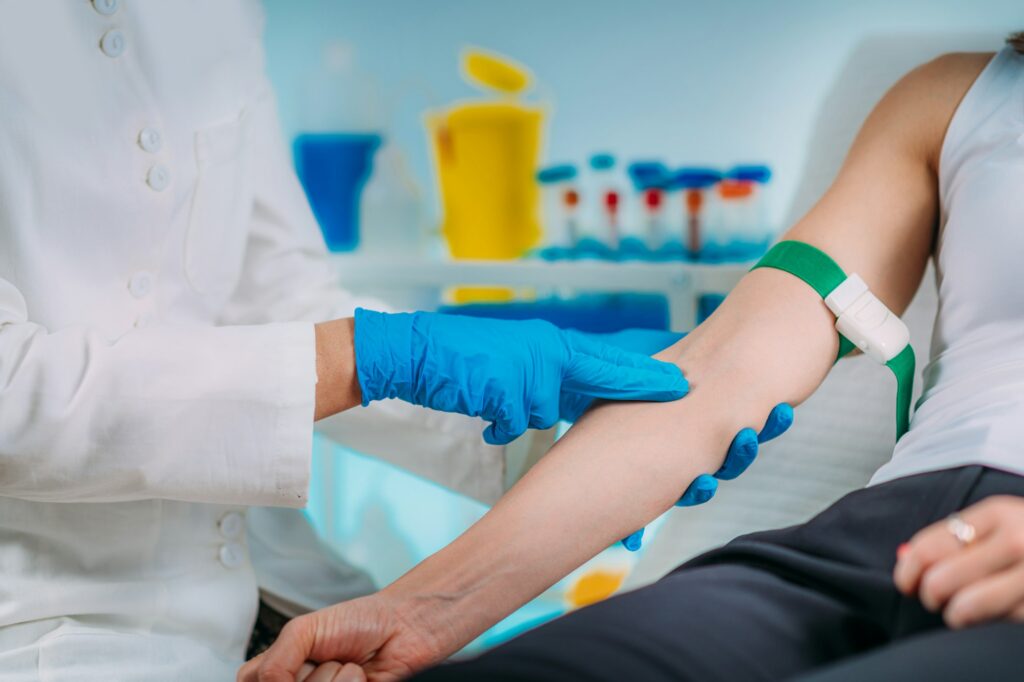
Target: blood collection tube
611,208
654,199
570,206
694,204
603,233
746,186
561,201
650,179
694,182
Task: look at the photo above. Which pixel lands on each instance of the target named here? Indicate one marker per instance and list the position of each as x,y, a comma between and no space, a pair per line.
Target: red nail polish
902,549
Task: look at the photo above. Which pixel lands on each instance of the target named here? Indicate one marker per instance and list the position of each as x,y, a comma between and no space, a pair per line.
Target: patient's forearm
624,464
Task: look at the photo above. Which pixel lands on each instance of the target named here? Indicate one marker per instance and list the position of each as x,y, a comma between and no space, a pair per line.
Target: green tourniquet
813,266
817,269
903,367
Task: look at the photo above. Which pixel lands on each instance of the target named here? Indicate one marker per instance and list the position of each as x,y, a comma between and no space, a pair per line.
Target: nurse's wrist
337,386
384,353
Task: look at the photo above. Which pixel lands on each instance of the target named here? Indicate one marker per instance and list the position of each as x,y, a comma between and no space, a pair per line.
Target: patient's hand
363,639
971,582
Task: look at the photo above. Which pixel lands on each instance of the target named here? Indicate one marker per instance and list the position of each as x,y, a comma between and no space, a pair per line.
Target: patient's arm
772,340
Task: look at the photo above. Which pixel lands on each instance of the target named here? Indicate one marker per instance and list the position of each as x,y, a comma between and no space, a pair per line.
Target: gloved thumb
503,432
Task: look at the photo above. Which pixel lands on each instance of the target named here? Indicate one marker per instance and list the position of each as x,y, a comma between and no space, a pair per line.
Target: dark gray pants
815,600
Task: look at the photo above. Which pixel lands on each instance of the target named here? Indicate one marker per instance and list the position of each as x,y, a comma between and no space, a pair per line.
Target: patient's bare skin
623,464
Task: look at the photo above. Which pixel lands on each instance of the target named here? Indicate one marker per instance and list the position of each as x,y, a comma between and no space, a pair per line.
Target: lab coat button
140,284
150,140
232,555
143,321
158,178
231,525
112,43
105,7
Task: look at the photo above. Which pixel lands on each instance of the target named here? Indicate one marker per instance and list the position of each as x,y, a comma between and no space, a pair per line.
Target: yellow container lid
494,72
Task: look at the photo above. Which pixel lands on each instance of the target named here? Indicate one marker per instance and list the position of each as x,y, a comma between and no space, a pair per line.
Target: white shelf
682,283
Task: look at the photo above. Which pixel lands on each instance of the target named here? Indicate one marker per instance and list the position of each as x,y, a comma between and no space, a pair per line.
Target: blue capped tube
561,200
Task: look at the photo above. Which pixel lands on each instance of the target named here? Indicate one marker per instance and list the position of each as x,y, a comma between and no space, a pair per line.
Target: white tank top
972,409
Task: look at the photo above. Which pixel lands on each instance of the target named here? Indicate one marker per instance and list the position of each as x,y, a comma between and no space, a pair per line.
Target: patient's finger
331,671
285,658
249,670
305,671
351,673
935,543
953,573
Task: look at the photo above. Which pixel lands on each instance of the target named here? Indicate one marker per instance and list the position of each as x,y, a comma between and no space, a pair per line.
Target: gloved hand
514,374
742,451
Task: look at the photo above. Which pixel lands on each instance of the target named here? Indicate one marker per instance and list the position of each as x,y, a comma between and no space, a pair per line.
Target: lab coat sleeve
287,275
199,414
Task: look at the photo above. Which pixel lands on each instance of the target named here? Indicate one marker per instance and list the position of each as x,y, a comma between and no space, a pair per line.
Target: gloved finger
741,453
744,447
545,412
700,491
633,542
779,421
503,432
650,380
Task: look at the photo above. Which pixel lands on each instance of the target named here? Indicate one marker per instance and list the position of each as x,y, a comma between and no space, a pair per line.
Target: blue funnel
333,168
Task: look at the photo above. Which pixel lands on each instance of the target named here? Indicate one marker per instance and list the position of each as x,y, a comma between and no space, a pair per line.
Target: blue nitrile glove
742,452
511,373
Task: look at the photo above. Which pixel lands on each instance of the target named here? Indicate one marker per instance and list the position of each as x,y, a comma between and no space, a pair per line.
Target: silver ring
961,530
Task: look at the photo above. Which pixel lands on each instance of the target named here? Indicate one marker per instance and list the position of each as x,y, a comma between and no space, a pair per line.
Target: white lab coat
159,272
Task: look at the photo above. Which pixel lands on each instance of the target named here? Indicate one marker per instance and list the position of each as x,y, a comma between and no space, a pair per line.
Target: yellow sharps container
486,154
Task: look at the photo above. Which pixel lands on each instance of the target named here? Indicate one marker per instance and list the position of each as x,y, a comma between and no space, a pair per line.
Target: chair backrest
846,430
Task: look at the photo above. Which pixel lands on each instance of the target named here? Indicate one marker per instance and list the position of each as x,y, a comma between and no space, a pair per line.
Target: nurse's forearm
337,385
624,464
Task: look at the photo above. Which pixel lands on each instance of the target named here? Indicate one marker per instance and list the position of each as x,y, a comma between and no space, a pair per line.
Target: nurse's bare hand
975,581
363,639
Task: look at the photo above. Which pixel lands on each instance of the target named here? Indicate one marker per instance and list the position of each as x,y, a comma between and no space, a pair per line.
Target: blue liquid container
333,168
595,313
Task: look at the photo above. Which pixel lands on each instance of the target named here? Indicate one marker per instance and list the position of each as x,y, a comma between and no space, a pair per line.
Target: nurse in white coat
160,370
